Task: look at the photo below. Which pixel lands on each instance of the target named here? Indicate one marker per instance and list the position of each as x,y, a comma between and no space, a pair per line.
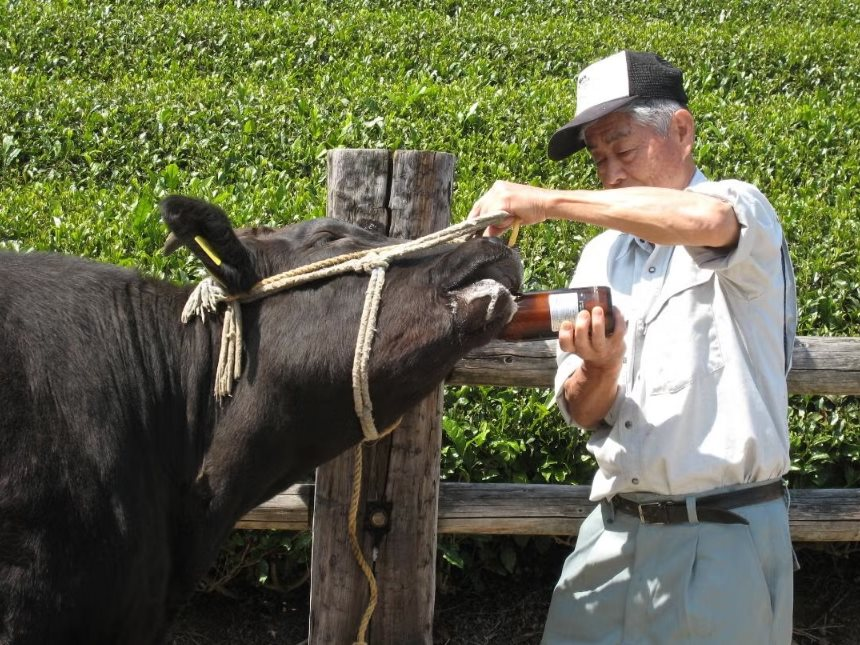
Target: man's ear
206,231
684,127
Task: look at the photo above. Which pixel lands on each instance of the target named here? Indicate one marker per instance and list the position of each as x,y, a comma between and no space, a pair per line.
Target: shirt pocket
682,342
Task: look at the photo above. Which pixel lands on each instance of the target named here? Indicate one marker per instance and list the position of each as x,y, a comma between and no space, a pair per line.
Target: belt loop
608,510
692,516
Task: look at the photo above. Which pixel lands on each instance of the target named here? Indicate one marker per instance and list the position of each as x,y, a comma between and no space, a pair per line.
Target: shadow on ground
510,611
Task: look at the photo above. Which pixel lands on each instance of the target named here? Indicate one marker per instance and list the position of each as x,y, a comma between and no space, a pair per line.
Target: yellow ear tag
515,230
207,250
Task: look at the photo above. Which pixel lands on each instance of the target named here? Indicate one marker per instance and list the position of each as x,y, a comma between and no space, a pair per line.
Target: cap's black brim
567,140
564,142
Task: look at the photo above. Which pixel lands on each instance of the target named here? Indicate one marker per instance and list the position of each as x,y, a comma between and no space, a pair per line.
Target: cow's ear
206,231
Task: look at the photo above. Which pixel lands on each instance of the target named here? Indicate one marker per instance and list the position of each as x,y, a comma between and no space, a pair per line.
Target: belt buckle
661,505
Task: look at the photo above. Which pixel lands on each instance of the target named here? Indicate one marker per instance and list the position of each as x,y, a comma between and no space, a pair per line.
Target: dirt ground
511,611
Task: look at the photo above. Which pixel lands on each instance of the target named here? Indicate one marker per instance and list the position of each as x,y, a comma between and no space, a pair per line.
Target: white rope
366,330
230,358
207,295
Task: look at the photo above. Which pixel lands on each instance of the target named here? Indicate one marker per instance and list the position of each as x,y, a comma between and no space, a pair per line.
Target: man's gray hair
653,113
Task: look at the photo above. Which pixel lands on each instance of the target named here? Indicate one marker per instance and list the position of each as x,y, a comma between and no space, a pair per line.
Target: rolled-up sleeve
750,265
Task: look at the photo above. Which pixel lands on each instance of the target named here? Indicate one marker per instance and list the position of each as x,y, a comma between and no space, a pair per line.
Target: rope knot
205,297
371,261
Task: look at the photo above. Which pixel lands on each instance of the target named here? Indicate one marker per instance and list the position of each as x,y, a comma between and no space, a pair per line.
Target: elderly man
686,403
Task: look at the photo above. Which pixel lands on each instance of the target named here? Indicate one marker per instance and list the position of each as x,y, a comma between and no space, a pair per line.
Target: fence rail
816,515
821,365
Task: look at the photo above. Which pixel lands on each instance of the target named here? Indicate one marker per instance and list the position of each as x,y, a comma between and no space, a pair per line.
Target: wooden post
409,192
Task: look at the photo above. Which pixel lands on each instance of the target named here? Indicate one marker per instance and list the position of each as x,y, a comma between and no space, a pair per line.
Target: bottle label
563,306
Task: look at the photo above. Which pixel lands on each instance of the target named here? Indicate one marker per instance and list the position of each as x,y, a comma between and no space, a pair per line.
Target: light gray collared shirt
702,396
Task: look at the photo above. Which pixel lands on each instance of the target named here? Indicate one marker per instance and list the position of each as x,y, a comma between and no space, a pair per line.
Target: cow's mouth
483,303
480,290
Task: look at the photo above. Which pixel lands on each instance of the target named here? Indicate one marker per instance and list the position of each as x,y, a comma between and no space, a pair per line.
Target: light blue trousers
629,583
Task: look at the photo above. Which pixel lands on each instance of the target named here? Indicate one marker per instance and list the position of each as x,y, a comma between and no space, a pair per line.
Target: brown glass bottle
540,313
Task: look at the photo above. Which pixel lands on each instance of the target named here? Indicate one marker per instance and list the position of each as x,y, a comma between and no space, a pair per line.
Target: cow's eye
323,238
371,226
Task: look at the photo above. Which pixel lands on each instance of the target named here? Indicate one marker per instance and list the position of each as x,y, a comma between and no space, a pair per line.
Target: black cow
120,473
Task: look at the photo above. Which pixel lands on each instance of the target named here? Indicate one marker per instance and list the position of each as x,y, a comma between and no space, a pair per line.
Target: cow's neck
269,434
190,415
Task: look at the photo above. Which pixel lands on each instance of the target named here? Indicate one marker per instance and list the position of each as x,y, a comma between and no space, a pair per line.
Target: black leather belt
709,508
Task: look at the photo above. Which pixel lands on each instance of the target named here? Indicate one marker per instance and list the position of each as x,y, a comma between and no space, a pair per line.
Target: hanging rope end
230,358
202,300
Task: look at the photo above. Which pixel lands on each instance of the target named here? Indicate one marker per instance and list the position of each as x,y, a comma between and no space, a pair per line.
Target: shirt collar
698,178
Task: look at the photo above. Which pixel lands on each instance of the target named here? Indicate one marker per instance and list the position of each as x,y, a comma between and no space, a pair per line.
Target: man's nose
613,174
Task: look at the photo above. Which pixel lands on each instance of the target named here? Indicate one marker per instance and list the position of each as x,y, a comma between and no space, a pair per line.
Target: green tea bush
105,107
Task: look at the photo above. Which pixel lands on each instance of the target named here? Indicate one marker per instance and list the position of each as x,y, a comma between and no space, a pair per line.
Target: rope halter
208,294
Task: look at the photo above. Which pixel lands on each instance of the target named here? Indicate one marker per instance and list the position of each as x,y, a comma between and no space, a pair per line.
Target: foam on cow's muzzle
497,294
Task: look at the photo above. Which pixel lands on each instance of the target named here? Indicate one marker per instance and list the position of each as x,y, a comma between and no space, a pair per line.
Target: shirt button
628,424
651,269
635,480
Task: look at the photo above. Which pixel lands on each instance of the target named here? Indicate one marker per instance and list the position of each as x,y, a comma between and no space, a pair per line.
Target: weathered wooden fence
821,366
404,505
409,194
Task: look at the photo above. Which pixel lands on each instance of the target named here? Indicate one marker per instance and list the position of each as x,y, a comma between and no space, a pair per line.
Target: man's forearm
660,215
589,394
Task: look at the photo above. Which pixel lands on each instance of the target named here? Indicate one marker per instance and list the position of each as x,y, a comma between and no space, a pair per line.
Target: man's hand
590,391
526,204
586,337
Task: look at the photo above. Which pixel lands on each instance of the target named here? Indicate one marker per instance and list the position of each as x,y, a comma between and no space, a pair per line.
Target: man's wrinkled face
627,153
